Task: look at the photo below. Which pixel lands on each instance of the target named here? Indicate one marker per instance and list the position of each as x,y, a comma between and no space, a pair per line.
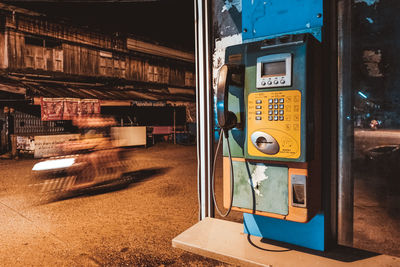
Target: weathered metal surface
345,126
261,187
271,17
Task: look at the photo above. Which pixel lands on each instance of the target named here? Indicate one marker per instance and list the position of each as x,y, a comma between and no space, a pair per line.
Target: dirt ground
133,226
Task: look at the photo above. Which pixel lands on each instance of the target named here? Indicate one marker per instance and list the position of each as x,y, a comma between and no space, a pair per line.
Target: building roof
33,89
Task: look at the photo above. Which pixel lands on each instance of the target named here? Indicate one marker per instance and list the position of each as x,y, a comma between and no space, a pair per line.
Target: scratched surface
268,187
272,17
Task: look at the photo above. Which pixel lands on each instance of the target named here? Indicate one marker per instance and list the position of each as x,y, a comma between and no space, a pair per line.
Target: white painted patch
219,53
368,2
257,177
233,3
369,20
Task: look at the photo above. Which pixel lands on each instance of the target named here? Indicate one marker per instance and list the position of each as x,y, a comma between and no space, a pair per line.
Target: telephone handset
229,74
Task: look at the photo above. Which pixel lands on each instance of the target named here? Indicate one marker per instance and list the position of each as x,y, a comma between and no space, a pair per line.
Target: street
365,139
132,226
376,192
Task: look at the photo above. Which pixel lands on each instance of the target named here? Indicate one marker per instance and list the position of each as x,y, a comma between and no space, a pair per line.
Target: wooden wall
80,60
41,26
3,51
76,59
15,47
37,45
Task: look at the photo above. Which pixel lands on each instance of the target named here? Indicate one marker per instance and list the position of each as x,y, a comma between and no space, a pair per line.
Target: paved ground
376,193
128,227
134,226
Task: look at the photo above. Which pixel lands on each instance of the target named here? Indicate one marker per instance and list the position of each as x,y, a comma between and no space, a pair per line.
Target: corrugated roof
11,86
104,92
31,88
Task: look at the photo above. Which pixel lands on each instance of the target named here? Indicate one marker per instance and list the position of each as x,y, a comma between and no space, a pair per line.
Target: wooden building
42,57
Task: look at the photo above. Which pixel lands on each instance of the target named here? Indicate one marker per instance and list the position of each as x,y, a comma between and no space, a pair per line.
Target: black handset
229,74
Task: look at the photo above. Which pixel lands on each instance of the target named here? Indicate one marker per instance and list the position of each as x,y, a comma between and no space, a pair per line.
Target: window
112,65
370,119
106,63
189,78
150,73
43,54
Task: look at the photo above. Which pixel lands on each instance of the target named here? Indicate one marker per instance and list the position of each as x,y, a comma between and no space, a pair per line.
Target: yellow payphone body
280,138
275,156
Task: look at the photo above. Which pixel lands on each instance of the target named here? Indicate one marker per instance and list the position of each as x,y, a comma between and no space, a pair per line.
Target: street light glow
362,95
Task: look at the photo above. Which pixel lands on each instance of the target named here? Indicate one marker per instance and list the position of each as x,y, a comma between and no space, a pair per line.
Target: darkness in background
376,30
148,116
166,22
376,153
160,116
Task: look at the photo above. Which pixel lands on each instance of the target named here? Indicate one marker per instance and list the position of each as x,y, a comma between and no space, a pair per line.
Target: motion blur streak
53,164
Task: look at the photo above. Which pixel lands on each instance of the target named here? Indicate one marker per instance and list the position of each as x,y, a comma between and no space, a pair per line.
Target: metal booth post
203,108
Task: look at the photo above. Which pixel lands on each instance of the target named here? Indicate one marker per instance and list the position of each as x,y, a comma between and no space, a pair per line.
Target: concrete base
225,241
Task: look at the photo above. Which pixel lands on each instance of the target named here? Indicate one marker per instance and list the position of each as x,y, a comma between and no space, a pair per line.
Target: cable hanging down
225,133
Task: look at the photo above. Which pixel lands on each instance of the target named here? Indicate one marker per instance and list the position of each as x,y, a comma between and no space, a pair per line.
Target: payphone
274,126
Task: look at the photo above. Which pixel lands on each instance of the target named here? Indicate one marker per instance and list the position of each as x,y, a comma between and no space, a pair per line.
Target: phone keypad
278,108
275,109
279,114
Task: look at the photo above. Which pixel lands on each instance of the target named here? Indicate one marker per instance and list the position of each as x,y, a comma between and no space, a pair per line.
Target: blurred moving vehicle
88,162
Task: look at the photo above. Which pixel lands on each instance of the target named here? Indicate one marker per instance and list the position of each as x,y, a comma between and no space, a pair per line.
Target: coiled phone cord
222,132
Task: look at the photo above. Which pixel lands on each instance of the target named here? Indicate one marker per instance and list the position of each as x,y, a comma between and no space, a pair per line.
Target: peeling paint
232,3
219,53
371,61
257,177
368,2
369,20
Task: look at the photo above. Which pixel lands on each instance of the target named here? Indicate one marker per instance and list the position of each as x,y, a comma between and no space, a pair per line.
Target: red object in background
52,109
89,106
71,108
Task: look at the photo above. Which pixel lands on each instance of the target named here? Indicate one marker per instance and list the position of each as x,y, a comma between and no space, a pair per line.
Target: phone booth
280,98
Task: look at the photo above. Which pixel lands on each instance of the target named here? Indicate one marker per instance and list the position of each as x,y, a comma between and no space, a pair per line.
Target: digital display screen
277,68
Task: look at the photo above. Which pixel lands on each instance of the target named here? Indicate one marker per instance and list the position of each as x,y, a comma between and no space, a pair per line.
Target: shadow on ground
339,253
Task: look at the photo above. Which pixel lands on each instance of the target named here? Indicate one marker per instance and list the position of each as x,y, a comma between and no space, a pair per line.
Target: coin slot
262,142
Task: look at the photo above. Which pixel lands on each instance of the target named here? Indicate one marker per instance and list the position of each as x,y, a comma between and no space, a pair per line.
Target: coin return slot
299,193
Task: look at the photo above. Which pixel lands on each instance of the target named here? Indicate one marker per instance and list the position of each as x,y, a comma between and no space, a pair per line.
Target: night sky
167,22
